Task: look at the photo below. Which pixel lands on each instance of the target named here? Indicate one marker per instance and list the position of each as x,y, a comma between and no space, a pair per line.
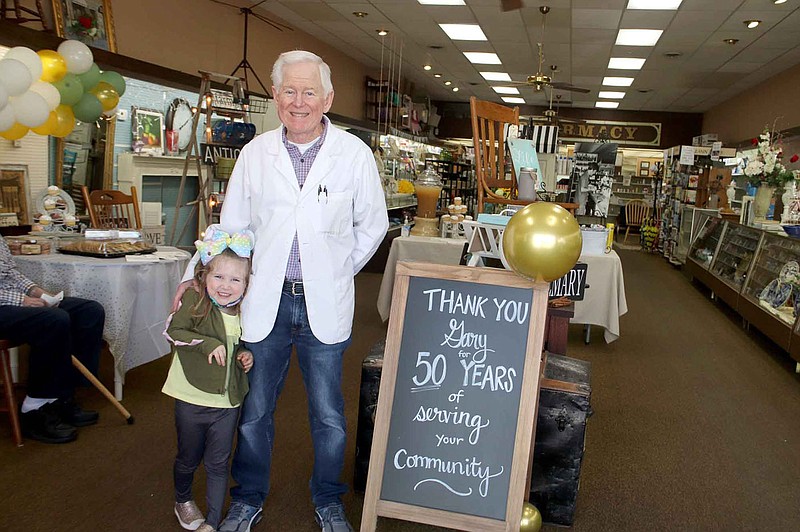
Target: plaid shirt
302,166
13,285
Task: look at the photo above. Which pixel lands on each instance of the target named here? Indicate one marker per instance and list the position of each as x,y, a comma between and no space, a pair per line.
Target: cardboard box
705,140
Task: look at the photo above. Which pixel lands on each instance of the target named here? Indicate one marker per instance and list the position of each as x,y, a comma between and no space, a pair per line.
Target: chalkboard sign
572,285
457,403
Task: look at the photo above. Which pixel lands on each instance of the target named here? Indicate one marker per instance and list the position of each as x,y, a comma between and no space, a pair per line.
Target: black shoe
74,415
45,425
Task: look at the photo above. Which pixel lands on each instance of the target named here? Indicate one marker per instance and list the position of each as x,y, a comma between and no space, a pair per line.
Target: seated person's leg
87,319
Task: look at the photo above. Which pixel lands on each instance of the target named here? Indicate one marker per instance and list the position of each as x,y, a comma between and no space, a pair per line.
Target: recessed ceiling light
360,14
644,91
382,32
506,90
751,23
437,75
672,55
495,76
455,89
730,41
427,67
611,95
441,2
448,82
612,81
482,58
626,63
511,99
464,32
654,4
607,105
638,37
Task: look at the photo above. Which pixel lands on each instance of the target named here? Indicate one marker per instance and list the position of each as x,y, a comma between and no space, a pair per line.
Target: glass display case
689,224
772,282
705,244
735,254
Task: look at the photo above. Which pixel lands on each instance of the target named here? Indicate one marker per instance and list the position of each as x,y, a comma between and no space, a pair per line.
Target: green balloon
88,109
90,78
115,80
70,88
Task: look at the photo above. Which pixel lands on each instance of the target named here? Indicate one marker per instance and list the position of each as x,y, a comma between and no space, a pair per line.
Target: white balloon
15,76
111,113
7,118
77,55
4,97
48,92
31,109
29,58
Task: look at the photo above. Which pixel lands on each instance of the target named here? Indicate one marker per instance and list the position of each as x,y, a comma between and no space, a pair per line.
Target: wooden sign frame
519,481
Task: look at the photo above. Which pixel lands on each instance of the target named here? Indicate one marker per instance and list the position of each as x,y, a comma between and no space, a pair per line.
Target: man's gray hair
301,56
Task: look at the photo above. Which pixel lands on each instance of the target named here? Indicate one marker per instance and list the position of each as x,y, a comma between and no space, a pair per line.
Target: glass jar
428,187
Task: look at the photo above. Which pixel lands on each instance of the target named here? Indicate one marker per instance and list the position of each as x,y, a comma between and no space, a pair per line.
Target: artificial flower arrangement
766,167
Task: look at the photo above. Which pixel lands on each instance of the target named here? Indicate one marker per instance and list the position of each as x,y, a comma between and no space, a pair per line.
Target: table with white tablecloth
604,301
136,296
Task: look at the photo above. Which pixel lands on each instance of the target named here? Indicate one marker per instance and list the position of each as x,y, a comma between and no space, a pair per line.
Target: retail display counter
755,272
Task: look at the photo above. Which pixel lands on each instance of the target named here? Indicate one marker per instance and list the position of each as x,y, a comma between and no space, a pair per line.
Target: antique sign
639,133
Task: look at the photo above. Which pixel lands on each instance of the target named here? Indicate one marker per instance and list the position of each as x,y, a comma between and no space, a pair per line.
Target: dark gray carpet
695,428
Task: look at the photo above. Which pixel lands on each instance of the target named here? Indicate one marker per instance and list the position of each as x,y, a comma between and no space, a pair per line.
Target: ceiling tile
607,19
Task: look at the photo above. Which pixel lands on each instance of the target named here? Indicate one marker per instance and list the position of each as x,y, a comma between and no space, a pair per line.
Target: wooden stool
10,405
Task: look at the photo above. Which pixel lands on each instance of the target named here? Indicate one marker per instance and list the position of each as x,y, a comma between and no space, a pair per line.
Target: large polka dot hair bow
216,241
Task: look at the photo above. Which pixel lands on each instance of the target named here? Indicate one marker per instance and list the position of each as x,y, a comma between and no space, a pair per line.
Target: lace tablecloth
135,295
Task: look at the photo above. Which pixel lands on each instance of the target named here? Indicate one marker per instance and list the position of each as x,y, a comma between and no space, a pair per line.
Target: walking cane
99,385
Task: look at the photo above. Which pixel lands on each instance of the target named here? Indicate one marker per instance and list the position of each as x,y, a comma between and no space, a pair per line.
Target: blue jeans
321,366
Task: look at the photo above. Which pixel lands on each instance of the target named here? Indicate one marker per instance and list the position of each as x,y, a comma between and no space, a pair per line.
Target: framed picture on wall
14,192
148,131
88,21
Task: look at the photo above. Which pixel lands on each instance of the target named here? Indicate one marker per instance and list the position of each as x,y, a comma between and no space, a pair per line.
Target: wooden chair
489,121
636,211
112,209
10,402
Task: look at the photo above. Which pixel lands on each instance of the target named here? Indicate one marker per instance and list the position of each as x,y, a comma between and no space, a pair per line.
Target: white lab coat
337,231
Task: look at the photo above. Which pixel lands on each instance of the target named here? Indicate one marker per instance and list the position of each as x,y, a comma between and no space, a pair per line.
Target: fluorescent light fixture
653,4
777,2
607,105
506,90
511,99
464,32
612,81
626,63
441,2
483,58
495,76
638,37
612,95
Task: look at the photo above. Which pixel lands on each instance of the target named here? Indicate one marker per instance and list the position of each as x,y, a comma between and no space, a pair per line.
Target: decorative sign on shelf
212,152
457,404
572,285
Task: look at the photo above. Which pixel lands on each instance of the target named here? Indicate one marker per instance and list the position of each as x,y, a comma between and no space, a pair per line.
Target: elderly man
49,411
312,195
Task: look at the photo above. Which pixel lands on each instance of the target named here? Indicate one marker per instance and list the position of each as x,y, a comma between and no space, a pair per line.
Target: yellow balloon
531,519
107,94
66,121
542,241
53,66
17,131
49,125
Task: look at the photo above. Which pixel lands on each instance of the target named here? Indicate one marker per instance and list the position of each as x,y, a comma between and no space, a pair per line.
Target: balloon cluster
47,91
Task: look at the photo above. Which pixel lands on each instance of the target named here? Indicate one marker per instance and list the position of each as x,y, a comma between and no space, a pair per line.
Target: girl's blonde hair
204,305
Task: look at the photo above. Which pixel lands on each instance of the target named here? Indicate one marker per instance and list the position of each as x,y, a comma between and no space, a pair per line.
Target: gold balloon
17,131
66,121
531,519
108,96
53,66
49,125
542,241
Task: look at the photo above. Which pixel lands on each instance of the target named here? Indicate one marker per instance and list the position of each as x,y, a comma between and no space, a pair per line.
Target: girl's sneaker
205,527
189,515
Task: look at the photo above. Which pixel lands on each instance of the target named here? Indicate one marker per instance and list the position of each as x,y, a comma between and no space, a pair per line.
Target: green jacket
194,339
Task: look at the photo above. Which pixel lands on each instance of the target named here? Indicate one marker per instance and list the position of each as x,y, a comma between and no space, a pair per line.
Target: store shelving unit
733,260
459,181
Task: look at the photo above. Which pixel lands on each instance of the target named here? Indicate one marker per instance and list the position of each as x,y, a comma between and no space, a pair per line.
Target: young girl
207,376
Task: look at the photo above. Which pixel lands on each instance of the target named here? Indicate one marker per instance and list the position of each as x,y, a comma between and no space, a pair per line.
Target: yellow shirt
178,387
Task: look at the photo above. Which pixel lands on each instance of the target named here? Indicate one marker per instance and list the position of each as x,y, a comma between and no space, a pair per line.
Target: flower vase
762,201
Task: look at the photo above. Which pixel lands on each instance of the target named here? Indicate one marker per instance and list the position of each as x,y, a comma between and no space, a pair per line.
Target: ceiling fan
539,80
551,117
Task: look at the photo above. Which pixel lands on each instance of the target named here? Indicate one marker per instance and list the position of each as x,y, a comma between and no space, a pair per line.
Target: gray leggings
206,434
